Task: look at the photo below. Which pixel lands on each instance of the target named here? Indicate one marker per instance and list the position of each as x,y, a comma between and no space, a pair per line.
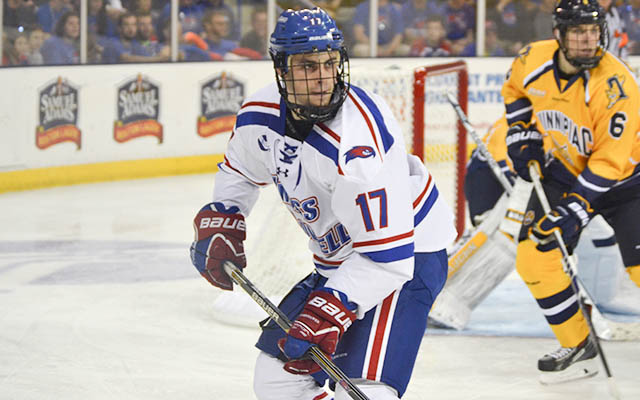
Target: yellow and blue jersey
589,122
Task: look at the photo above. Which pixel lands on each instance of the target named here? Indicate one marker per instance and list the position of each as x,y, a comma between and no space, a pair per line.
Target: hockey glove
219,238
322,322
569,217
524,144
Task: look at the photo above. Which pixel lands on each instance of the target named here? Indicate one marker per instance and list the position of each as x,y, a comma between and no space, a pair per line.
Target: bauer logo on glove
322,322
524,144
219,237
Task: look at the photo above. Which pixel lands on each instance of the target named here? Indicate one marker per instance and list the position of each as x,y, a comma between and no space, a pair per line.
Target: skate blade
580,370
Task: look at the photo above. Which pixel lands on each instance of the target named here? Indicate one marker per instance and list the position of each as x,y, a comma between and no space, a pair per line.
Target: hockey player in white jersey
377,226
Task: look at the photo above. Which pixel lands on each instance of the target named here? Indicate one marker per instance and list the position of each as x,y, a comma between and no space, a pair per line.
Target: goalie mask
581,31
311,63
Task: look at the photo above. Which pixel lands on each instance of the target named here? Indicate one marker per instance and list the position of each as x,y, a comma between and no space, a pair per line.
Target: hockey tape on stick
571,270
334,372
495,168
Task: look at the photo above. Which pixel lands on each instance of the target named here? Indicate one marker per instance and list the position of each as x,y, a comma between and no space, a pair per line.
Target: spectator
542,20
190,14
618,38
389,30
21,45
632,23
493,46
126,48
437,7
36,38
63,46
115,9
9,55
216,27
514,20
462,47
99,23
431,42
235,31
147,35
414,18
145,7
14,49
50,12
188,51
460,20
257,38
19,13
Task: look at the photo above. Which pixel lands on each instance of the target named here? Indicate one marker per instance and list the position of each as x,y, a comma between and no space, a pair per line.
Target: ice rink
98,300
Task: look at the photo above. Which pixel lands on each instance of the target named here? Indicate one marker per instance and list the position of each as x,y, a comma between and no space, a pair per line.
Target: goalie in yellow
586,104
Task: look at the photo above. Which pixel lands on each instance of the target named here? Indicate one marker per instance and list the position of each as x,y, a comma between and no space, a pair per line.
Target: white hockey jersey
365,204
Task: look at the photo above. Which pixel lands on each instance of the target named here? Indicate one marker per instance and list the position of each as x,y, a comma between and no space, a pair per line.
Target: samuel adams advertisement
220,100
138,110
58,115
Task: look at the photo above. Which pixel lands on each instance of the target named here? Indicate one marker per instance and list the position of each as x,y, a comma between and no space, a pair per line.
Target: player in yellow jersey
585,102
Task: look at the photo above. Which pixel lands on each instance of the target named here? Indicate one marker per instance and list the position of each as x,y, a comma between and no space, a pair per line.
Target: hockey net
277,254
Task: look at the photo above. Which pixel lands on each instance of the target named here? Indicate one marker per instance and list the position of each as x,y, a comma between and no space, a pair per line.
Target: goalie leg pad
551,287
272,382
472,282
478,262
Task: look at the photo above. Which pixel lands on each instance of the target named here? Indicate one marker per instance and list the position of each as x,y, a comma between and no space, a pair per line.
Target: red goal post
431,128
421,75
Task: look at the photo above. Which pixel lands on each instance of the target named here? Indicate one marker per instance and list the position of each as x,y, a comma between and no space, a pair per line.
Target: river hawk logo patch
359,152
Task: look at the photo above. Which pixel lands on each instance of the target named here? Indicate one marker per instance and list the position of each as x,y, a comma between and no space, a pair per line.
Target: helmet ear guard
309,32
570,13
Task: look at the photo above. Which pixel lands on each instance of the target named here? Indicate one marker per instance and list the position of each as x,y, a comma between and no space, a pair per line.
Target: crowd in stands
37,32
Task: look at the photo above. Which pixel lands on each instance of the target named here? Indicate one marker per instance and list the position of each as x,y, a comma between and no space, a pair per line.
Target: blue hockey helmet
569,13
302,32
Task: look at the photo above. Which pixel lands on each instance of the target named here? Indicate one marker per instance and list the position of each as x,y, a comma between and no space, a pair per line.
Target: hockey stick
495,168
607,328
328,366
571,270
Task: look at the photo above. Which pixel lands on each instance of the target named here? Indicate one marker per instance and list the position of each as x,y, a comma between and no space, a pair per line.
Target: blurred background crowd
47,32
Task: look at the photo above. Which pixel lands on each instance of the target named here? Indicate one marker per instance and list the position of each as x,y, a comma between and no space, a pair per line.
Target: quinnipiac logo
220,101
58,113
138,107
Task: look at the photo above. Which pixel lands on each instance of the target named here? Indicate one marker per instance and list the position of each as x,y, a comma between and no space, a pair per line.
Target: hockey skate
569,363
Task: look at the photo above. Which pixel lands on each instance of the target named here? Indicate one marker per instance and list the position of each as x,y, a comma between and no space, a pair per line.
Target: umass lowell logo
359,152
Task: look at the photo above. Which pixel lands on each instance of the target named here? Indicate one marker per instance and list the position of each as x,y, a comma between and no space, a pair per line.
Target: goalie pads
481,259
602,271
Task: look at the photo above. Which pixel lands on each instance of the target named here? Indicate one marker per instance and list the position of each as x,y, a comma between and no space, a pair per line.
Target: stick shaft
495,168
328,366
569,267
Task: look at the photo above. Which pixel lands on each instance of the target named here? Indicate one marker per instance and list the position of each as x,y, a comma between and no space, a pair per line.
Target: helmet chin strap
575,63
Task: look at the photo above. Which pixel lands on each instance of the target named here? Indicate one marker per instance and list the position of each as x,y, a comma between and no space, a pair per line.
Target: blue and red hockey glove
322,322
219,238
